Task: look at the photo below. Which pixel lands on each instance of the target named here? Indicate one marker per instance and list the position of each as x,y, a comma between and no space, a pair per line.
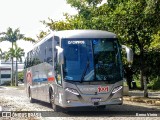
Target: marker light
116,89
73,91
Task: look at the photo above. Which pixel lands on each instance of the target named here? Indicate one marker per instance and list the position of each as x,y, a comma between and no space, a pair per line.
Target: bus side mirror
60,55
129,53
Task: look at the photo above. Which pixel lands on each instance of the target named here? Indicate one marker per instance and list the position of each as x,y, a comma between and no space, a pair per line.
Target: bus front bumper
74,103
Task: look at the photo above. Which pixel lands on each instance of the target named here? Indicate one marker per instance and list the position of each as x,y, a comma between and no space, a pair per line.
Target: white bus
74,68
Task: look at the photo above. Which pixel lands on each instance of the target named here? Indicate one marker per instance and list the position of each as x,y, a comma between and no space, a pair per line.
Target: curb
150,100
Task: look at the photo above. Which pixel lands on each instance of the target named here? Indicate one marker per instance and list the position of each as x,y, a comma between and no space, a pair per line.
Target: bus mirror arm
60,55
129,53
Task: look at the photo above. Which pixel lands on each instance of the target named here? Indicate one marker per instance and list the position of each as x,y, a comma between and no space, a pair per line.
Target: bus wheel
31,100
54,106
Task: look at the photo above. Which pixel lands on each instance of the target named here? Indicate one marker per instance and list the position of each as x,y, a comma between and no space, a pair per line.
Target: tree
155,41
135,22
21,76
41,35
17,53
0,53
12,36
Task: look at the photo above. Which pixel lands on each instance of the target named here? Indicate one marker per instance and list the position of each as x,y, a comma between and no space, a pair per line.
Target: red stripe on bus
51,79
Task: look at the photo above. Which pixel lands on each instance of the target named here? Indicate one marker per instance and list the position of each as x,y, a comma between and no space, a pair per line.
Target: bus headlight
116,89
73,91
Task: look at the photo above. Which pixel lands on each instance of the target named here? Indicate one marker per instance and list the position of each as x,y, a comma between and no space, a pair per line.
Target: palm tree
16,53
19,53
13,36
0,53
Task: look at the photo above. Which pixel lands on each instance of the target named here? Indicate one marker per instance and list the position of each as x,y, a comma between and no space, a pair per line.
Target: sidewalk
137,96
141,93
20,86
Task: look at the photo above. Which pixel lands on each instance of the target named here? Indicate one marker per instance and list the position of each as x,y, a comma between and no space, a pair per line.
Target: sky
27,14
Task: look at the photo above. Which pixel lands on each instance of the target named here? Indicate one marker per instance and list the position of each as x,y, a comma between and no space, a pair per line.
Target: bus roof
84,34
77,34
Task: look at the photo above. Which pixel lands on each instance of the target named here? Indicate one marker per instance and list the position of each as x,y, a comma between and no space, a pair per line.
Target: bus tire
55,107
31,100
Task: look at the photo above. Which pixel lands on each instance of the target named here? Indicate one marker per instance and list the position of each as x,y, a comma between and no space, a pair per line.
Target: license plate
95,99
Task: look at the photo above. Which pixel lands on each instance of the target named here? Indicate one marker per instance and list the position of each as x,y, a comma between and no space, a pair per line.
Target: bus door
58,76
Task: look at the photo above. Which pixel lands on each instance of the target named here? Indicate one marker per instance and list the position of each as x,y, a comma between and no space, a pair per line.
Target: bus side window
56,65
58,74
29,60
58,70
25,63
49,52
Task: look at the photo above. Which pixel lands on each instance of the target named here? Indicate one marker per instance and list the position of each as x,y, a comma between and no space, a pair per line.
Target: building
5,74
5,70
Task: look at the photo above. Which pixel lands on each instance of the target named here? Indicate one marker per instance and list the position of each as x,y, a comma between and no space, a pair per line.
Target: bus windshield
91,60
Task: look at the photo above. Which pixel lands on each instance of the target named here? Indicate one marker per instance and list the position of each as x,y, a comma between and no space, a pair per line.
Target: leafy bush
20,76
154,84
136,78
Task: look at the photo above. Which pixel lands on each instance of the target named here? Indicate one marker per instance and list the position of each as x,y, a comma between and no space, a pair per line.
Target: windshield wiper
85,70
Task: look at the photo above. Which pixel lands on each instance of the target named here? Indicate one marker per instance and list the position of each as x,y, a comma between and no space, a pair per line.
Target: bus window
91,60
56,65
49,52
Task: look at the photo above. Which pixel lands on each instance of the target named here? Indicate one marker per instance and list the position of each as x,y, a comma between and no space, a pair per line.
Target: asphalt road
15,100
